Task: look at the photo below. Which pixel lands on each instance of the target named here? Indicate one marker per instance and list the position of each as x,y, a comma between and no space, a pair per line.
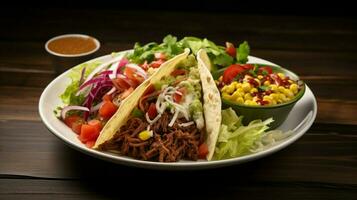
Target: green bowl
278,112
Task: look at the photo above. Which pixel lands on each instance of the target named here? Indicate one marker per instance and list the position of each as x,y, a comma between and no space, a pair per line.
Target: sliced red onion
68,108
124,61
107,72
114,67
103,66
96,107
117,66
138,69
111,91
89,100
90,82
93,93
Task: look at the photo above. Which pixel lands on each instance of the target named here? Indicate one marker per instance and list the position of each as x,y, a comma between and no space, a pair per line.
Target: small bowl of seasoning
71,49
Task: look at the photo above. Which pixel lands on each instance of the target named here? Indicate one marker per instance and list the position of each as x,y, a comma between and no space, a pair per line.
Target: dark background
271,7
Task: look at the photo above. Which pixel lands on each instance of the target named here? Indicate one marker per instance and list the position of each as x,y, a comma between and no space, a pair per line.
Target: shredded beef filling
168,144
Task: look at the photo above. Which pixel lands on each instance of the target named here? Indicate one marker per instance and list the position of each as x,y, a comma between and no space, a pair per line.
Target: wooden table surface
34,164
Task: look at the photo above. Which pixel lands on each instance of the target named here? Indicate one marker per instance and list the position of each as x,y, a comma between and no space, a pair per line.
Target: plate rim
175,165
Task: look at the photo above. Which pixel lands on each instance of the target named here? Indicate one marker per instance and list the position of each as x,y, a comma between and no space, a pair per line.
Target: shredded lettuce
217,54
243,52
69,95
236,139
172,47
169,46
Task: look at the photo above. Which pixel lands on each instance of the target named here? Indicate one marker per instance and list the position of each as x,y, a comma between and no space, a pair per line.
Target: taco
172,116
98,89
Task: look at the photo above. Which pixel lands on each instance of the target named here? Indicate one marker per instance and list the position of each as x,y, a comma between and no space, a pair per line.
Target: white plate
300,119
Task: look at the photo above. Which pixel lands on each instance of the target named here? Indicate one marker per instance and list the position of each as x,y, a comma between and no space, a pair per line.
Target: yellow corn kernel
236,94
145,135
274,96
226,96
253,103
288,93
248,96
240,100
281,89
249,102
281,75
240,90
253,90
238,85
234,83
282,97
256,99
246,87
294,88
291,81
224,89
267,98
266,83
274,88
260,77
273,102
228,89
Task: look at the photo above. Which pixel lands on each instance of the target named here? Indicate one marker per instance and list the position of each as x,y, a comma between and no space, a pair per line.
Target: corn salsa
256,85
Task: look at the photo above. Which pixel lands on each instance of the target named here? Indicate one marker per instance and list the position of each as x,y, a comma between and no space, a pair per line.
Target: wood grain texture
75,189
34,164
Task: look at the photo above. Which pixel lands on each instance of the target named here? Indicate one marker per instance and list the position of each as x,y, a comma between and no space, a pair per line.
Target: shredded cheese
186,124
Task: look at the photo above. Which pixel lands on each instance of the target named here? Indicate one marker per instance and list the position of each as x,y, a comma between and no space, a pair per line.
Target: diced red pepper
230,49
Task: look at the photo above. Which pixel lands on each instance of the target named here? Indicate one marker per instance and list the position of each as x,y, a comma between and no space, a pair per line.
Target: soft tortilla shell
122,114
212,102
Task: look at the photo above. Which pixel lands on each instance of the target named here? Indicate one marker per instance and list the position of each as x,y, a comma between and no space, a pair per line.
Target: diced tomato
152,112
107,110
248,66
69,120
177,96
96,123
178,72
230,49
88,133
133,76
160,56
107,97
231,72
126,93
157,63
145,65
120,83
76,126
269,70
90,144
202,151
